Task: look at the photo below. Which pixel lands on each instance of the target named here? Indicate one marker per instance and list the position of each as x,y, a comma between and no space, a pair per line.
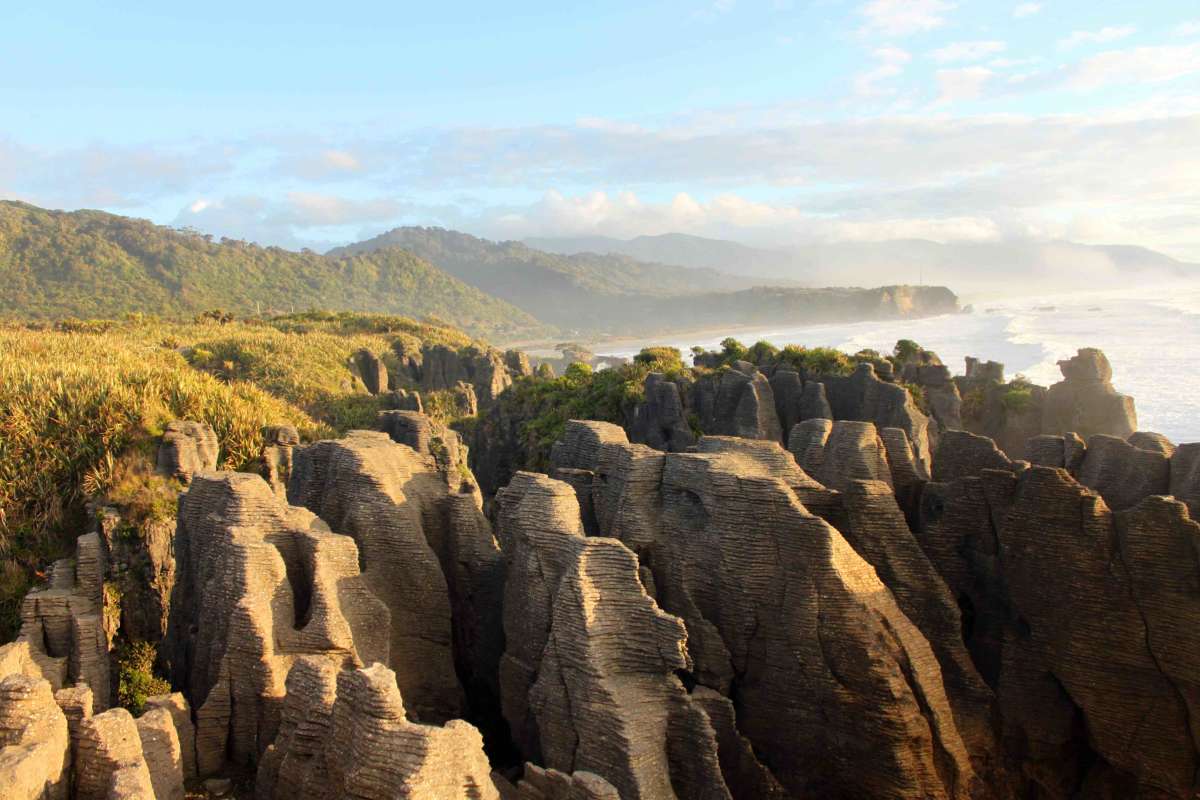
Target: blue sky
772,122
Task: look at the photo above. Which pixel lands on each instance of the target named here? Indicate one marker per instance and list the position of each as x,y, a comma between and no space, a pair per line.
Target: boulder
485,370
63,624
1065,452
276,459
187,448
813,403
1078,619
758,625
176,705
550,784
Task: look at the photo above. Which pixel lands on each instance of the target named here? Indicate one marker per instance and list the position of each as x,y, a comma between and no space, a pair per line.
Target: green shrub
136,681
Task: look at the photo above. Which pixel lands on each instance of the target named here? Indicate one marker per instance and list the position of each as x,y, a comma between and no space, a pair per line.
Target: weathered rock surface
187,448
162,752
427,552
176,705
345,734
1185,477
259,582
661,420
836,453
756,626
1077,620
63,625
961,454
35,751
276,460
1085,401
110,761
736,402
862,396
1122,473
550,784
389,498
485,370
371,371
1065,452
588,677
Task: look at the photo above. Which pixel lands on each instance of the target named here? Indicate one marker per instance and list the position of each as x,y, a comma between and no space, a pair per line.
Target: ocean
1149,335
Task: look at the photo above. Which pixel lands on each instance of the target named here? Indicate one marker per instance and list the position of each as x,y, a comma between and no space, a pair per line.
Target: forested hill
521,274
57,264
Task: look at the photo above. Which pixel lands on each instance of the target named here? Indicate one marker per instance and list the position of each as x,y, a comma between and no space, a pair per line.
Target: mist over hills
1009,267
591,293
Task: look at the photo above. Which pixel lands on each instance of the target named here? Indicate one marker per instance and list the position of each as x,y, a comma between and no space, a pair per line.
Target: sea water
1151,338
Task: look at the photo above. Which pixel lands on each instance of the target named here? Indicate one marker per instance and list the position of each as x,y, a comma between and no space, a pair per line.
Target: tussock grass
82,404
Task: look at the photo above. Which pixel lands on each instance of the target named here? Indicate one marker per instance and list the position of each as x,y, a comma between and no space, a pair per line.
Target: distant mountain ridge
600,294
56,264
1003,267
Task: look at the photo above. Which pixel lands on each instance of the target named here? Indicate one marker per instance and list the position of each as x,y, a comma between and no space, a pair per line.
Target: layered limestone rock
588,678
862,396
1122,473
345,734
836,453
869,715
276,459
486,371
960,454
1085,401
427,552
550,784
1079,620
1185,476
187,448
162,752
140,567
176,705
661,420
35,746
736,402
110,763
259,583
371,371
1065,452
63,625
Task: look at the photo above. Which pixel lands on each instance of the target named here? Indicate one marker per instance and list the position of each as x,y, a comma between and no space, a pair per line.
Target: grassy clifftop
57,264
83,403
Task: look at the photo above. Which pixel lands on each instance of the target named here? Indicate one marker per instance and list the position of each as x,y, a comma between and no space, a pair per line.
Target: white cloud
1139,65
1189,28
1026,10
967,51
904,17
891,62
1102,36
956,85
341,160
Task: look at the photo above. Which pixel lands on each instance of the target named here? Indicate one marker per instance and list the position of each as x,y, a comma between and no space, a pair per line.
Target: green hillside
91,264
571,291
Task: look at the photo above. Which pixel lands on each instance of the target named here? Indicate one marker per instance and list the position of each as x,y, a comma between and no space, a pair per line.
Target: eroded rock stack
259,582
699,522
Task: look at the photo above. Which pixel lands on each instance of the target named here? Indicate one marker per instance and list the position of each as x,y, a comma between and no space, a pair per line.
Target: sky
775,122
